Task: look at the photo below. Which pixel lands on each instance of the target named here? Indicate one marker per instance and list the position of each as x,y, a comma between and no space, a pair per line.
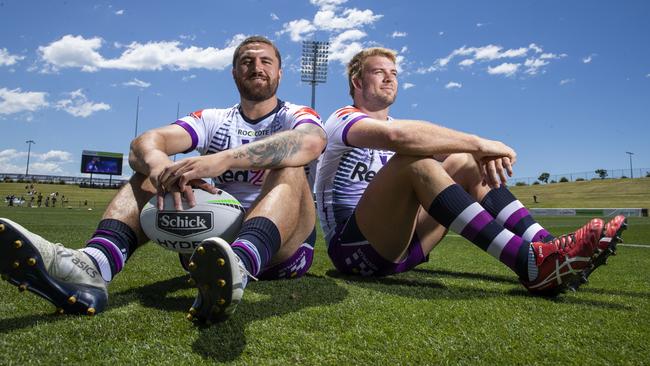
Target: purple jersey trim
193,135
347,128
308,121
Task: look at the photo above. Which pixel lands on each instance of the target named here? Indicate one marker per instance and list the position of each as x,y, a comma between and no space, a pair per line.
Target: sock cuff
123,232
496,199
449,204
263,228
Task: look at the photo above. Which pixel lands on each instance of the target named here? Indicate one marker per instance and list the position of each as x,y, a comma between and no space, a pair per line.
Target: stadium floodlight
630,154
313,65
29,151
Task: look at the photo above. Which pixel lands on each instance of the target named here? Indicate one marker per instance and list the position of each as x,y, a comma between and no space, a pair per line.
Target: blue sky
565,83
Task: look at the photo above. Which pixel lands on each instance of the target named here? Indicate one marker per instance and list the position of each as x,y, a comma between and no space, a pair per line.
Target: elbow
314,145
396,138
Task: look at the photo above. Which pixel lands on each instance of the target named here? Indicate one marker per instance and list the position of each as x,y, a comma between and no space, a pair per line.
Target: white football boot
220,278
67,278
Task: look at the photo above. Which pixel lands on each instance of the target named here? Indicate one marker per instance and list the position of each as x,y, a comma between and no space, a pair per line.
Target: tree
602,173
544,177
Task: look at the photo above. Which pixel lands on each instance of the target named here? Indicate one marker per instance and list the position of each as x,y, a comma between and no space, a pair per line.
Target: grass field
462,307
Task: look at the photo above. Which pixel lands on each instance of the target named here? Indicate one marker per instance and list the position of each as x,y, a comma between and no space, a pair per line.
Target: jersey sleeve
197,126
339,123
298,115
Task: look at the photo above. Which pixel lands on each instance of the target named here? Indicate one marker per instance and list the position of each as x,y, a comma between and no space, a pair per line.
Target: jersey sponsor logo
184,223
362,173
249,133
255,177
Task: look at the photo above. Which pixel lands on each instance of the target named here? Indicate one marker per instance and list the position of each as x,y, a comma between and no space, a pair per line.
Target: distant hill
607,193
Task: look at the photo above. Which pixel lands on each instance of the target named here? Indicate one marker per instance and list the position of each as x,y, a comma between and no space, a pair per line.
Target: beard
380,99
256,93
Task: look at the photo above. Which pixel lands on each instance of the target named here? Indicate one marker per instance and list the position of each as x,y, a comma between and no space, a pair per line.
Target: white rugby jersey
344,171
213,130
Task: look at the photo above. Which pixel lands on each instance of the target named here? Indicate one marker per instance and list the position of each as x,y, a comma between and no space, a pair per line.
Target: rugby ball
218,214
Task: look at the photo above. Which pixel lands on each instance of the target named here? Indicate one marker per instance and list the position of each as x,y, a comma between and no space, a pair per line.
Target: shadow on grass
226,341
430,287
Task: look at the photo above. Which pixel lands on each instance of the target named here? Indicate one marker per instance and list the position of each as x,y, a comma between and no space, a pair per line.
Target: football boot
67,278
220,278
606,247
561,261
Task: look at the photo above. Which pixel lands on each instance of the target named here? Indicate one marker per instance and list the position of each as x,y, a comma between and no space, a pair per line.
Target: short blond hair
357,64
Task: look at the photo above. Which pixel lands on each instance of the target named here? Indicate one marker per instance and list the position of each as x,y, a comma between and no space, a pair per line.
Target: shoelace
244,270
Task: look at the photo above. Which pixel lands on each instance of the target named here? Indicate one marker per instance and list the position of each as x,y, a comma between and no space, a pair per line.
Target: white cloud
72,51
7,59
406,86
589,58
344,46
274,16
479,25
78,52
45,168
350,19
327,4
535,61
647,75
137,83
397,34
298,29
119,12
11,154
441,33
404,49
79,106
453,85
331,18
566,81
414,105
16,101
189,77
505,68
56,156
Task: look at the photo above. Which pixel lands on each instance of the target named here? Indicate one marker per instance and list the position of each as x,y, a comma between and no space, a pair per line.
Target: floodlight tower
630,154
314,65
29,151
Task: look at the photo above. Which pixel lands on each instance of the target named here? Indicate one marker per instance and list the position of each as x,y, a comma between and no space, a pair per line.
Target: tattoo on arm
271,151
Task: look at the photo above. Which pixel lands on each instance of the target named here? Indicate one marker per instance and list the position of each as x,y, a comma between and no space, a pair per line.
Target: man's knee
460,163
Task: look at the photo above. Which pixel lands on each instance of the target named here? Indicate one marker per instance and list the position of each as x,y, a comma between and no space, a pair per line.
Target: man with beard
389,190
256,150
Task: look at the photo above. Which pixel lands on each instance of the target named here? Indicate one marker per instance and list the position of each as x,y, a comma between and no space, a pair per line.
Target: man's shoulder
299,110
214,113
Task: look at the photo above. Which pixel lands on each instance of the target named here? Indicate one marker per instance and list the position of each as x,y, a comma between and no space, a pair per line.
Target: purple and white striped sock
511,214
456,210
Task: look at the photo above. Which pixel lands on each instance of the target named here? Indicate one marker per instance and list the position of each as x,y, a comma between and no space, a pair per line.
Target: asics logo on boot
90,270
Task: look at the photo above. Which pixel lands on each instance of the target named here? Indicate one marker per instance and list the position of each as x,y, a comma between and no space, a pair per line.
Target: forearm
423,138
147,155
293,148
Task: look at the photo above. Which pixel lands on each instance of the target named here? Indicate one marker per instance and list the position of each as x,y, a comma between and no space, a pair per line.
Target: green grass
613,193
462,307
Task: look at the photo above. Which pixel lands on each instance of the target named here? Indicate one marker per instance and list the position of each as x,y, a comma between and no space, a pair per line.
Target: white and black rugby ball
181,231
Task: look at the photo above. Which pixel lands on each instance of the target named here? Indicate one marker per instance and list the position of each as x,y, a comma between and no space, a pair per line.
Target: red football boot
606,247
561,261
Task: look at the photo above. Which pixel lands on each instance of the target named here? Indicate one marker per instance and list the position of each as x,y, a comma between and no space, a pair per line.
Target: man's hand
496,171
496,160
179,178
